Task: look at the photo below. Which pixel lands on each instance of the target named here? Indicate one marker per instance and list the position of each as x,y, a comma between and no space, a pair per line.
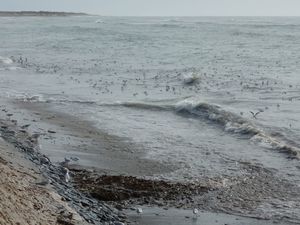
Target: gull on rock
67,175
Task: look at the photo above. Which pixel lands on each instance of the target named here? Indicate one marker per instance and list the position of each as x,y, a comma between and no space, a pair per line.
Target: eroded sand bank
23,198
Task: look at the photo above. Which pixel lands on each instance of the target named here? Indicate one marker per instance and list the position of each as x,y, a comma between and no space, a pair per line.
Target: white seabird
139,210
67,175
195,212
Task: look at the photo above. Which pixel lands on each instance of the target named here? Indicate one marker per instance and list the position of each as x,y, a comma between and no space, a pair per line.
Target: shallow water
176,216
126,75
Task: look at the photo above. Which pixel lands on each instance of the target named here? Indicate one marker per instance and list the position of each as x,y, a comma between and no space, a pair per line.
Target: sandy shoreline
122,163
22,200
53,176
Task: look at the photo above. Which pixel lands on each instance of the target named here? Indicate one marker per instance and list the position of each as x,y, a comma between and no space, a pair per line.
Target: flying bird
255,114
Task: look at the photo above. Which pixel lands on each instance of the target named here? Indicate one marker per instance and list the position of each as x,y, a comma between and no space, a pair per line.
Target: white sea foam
227,120
235,124
4,60
190,78
25,97
13,68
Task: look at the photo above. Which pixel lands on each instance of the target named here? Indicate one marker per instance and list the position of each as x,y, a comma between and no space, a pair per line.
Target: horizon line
99,14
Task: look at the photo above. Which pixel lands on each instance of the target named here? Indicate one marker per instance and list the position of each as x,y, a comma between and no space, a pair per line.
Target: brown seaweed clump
136,190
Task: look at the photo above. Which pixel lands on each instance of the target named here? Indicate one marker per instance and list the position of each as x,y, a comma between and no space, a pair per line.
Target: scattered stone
64,221
74,158
51,131
43,183
25,126
44,160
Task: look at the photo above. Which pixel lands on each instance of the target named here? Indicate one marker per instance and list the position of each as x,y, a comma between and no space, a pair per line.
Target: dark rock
51,131
85,203
25,126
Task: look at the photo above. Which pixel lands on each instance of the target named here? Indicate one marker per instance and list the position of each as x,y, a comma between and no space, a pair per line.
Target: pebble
51,131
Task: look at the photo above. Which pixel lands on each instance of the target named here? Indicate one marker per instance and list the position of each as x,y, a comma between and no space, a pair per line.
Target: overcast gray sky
162,7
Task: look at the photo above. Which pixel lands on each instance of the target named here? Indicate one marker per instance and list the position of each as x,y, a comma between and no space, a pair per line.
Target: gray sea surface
181,88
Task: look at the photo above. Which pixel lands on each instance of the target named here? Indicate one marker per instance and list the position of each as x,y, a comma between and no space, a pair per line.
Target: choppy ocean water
129,76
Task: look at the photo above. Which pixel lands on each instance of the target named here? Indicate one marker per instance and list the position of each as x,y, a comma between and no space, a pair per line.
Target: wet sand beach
177,217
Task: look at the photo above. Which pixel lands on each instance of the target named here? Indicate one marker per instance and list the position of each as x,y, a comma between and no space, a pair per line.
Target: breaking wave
25,97
227,120
234,123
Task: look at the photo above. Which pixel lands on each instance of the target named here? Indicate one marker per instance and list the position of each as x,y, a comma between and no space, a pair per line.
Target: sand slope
22,201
